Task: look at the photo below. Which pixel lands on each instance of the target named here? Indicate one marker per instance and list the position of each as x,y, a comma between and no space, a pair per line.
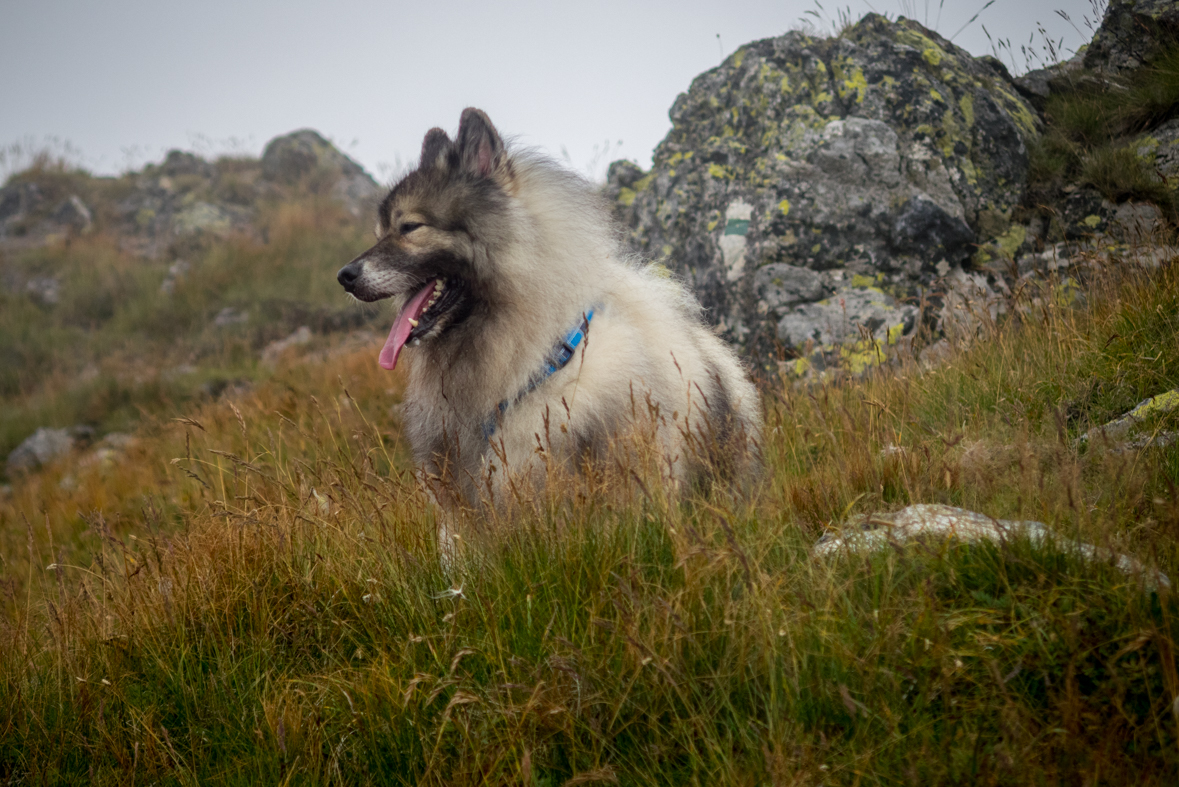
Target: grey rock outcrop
305,154
1133,33
810,189
45,445
175,205
925,523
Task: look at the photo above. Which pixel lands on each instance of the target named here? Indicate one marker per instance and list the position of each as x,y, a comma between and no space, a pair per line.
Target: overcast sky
122,81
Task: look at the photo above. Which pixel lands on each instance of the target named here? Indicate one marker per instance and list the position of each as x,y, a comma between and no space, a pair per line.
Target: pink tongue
401,327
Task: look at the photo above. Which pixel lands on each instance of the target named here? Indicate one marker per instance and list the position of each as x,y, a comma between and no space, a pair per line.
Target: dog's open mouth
420,316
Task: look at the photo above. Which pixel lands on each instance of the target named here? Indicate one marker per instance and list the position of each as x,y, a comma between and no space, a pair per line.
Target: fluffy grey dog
530,338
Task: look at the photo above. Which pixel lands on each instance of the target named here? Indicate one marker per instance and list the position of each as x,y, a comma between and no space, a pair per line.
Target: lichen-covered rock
1159,151
1133,33
876,159
305,154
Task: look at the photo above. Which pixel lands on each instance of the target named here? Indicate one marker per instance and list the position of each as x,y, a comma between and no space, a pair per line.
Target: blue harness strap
556,359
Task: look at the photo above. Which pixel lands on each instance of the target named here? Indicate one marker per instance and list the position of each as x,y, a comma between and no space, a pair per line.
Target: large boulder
1133,33
853,170
303,155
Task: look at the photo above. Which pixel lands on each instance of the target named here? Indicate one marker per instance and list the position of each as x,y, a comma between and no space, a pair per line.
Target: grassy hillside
115,342
251,593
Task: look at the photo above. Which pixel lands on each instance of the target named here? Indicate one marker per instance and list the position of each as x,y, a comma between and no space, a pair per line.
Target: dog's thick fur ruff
497,255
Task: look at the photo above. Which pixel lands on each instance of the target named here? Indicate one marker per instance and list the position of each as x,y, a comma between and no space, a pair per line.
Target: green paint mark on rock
737,227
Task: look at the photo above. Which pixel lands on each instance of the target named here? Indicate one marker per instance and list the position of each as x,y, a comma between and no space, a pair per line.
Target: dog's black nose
348,275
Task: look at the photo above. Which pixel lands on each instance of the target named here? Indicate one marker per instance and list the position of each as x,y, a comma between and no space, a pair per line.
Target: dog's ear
434,147
479,144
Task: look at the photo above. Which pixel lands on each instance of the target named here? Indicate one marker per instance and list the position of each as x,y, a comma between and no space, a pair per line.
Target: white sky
122,81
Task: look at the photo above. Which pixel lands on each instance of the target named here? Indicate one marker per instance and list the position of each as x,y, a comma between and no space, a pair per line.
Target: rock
1132,33
847,316
45,445
304,154
1138,223
884,154
1037,85
1159,151
109,450
231,316
17,202
273,351
1128,432
968,304
176,272
73,215
203,217
779,285
920,523
220,386
46,290
182,163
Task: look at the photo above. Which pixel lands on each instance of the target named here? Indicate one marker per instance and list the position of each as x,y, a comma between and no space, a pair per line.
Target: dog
530,338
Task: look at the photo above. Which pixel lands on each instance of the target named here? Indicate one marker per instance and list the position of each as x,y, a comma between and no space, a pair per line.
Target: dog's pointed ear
479,144
434,147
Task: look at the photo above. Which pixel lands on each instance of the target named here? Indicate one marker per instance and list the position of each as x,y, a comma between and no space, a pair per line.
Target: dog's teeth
413,322
438,286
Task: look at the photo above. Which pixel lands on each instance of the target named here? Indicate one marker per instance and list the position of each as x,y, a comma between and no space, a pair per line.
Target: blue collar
556,359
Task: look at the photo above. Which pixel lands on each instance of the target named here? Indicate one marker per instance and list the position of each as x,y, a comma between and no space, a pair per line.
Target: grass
114,348
1089,136
253,594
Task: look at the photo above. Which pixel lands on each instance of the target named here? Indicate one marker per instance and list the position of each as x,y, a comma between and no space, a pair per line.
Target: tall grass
1090,130
255,594
114,346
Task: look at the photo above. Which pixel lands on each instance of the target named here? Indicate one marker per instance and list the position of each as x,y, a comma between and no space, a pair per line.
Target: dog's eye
409,227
